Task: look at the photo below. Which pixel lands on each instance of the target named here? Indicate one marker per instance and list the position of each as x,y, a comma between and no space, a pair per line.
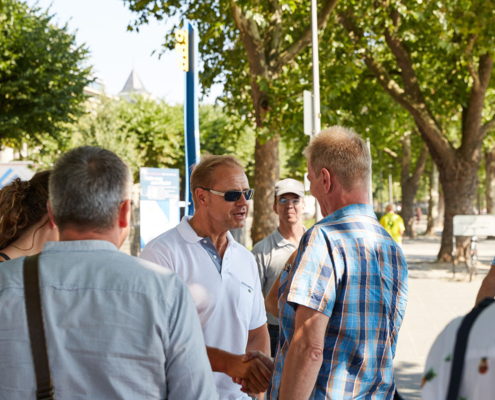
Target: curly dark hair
22,204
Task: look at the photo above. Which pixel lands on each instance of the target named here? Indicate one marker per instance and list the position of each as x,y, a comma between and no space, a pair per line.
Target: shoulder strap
36,328
461,347
7,258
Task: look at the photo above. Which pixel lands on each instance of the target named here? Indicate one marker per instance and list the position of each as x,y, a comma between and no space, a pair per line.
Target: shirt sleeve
188,370
315,277
258,315
258,256
156,256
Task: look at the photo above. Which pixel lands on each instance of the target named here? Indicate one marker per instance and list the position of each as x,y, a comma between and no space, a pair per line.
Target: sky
102,26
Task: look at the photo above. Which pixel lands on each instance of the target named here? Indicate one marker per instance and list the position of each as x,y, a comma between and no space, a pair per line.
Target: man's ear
201,196
52,223
327,179
125,214
275,207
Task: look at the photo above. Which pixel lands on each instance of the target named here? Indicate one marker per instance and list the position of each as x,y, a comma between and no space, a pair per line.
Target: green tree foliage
42,73
146,133
434,59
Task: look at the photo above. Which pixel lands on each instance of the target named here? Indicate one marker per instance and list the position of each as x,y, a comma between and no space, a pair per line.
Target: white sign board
159,205
308,113
12,170
474,225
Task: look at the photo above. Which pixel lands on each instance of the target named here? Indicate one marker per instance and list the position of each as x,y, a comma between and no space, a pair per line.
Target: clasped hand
253,372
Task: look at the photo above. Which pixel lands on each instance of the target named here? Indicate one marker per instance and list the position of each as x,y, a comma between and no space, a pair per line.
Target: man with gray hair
117,327
343,300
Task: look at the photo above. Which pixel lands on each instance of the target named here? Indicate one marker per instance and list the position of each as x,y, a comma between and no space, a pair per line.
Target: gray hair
342,152
87,186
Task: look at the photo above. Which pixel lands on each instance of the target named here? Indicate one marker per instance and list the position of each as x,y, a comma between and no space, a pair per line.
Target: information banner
159,203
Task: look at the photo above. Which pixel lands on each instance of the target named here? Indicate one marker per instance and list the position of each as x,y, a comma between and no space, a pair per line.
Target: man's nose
242,200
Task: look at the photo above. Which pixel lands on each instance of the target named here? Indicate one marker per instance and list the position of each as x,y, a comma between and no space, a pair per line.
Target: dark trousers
273,332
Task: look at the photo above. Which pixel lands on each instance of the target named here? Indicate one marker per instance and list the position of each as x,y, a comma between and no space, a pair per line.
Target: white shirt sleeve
258,316
156,256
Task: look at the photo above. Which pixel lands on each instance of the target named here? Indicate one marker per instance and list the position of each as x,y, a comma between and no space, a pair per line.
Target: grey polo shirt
271,254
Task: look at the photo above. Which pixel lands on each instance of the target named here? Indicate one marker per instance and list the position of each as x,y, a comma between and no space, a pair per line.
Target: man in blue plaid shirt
343,301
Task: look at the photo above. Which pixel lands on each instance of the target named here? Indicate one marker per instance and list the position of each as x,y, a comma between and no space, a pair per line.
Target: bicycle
471,261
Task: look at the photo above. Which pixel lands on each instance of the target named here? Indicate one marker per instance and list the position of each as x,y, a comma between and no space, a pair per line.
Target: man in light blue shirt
117,327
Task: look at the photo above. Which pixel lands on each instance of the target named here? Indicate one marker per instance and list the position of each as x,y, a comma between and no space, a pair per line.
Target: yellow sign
182,48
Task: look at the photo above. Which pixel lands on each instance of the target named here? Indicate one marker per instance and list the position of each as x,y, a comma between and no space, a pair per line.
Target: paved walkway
435,298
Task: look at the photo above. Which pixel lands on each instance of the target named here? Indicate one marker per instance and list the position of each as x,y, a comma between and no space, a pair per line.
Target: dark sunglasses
233,195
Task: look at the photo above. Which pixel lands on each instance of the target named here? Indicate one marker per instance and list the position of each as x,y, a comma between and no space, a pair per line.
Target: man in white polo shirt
272,252
221,275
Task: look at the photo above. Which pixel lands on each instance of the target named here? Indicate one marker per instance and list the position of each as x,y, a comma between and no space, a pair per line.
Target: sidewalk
434,299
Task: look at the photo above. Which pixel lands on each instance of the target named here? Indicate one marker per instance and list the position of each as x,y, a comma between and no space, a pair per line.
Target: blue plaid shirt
349,268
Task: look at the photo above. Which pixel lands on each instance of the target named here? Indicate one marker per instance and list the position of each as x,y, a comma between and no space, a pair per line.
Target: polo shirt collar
280,240
189,235
350,211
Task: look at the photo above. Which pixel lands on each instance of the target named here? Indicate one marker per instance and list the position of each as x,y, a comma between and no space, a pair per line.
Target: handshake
252,371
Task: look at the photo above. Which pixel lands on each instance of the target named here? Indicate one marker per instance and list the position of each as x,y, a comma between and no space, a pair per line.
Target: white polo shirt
226,292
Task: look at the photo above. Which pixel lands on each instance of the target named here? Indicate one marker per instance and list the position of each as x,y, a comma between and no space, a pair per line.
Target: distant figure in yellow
393,224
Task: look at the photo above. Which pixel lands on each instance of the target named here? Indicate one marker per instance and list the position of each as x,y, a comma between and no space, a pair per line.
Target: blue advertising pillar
191,115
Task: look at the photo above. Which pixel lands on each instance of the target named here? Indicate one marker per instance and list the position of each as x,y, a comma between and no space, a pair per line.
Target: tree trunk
266,174
490,181
459,183
410,183
441,208
433,206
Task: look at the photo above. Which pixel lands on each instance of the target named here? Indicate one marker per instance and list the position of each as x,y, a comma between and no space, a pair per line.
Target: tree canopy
42,73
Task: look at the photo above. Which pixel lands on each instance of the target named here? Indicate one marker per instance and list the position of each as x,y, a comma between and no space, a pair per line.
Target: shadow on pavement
443,271
408,380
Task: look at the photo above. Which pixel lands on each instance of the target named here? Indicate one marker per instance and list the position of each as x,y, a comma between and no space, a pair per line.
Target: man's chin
238,224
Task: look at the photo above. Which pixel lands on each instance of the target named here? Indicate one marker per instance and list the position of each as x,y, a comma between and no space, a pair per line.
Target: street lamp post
316,84
390,187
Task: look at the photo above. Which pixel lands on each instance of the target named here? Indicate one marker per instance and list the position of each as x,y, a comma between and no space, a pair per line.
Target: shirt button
204,241
214,256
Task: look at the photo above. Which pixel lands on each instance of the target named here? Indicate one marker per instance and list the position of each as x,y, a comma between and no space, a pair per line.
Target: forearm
305,355
259,341
301,368
220,360
271,301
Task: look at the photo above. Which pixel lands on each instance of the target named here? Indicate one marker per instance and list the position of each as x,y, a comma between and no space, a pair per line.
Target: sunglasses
233,195
284,201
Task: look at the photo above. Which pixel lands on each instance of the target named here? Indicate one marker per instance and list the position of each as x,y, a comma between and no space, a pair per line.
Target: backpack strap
36,328
461,347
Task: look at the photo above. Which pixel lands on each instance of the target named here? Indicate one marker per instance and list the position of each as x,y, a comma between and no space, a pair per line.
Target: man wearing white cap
272,253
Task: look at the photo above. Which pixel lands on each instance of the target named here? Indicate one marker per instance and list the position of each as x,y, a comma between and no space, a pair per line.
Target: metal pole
316,67
191,118
390,191
316,83
370,184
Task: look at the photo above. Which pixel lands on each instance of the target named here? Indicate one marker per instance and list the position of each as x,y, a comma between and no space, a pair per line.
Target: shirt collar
281,241
349,211
79,245
189,235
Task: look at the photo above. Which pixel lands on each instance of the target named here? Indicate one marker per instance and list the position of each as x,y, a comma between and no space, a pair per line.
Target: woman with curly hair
24,222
